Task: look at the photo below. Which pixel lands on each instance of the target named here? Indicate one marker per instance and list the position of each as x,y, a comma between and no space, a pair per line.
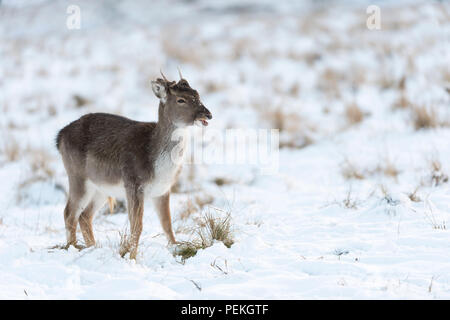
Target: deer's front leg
163,210
135,202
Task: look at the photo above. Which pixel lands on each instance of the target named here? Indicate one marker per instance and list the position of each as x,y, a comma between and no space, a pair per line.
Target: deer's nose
206,112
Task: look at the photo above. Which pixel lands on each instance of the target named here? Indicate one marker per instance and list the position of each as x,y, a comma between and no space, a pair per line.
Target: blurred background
312,69
359,206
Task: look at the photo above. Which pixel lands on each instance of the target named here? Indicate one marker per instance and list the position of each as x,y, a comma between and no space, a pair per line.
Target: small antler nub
164,77
179,72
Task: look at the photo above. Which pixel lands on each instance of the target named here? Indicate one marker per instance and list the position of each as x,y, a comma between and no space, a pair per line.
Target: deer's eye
180,100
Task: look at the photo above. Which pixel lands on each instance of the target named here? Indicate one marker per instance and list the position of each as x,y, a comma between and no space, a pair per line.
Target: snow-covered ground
360,205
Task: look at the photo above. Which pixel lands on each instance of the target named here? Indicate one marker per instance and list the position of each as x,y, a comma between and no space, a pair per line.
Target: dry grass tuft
244,46
388,81
445,76
296,142
40,160
438,177
285,122
294,131
124,243
196,205
221,181
388,169
433,221
294,90
424,118
203,200
210,228
80,101
188,210
349,202
11,149
192,52
413,195
353,114
329,82
213,86
402,102
350,171
391,202
216,229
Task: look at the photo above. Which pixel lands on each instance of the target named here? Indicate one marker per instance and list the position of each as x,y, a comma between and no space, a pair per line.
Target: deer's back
99,146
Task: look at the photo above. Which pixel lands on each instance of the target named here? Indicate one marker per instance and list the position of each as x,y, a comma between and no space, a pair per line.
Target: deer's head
179,103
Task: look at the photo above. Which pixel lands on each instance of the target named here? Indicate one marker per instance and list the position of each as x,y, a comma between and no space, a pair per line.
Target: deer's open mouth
203,121
203,117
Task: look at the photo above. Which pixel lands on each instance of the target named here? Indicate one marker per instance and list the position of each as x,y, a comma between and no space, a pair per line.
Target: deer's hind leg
97,201
80,195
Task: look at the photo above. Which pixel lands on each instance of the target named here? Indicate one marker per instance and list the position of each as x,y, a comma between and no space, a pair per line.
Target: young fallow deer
109,155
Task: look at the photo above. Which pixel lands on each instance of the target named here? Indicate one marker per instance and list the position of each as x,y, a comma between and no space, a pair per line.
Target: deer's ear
159,90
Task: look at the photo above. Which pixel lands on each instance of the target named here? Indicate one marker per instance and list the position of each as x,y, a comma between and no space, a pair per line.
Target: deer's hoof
133,255
67,246
176,248
77,246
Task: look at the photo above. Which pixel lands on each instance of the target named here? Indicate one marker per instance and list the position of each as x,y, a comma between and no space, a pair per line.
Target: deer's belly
156,188
111,190
159,186
164,177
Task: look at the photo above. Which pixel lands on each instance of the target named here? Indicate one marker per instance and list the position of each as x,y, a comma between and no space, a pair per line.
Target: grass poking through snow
424,118
210,228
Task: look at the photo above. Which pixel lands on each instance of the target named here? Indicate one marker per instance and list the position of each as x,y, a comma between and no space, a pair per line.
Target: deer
107,155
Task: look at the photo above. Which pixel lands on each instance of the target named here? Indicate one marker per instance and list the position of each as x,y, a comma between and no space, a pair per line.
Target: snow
304,232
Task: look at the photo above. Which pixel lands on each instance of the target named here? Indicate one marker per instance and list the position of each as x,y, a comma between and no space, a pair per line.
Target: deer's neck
171,139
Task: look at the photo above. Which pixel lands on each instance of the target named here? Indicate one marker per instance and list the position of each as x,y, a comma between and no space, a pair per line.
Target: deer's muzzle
204,115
